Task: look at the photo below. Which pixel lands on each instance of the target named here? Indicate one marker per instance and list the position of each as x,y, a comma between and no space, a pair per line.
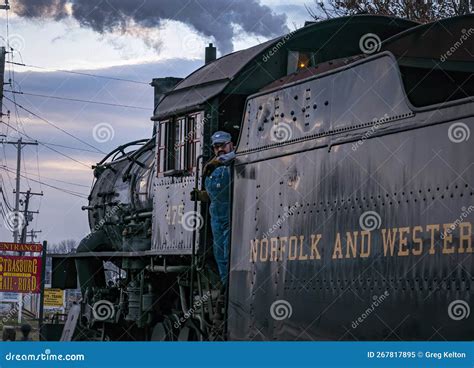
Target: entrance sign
18,247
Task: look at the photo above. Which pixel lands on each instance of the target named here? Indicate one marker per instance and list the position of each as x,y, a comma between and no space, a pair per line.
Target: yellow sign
53,298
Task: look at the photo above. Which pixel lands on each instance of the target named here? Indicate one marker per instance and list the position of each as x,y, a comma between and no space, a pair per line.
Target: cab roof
245,71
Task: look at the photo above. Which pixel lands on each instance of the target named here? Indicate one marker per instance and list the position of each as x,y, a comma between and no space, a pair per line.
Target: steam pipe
193,251
138,215
166,269
138,153
121,148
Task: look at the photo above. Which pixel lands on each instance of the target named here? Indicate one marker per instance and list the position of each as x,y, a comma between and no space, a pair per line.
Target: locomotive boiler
351,199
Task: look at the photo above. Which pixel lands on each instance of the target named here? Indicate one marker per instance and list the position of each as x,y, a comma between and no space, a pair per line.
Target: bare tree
422,11
64,246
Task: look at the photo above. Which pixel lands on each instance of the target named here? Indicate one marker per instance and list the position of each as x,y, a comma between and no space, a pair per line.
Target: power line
4,213
50,148
19,146
5,157
50,144
79,73
20,125
78,100
67,191
41,186
50,178
69,147
5,198
16,112
54,125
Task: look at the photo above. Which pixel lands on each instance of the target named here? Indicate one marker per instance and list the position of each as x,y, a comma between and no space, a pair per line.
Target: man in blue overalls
217,183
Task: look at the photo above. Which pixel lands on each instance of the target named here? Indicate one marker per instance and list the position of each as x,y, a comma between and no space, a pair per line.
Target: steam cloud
216,18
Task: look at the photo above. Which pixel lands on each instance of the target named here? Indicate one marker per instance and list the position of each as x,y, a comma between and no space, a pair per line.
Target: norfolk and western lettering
392,242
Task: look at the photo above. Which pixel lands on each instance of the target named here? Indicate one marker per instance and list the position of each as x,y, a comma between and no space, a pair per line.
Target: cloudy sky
135,40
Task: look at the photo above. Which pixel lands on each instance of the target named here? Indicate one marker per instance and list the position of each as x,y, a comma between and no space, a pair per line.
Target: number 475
175,213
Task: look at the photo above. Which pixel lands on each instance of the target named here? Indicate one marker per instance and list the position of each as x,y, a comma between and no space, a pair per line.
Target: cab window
178,144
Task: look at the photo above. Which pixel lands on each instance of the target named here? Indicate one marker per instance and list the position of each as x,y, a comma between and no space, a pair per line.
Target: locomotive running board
104,254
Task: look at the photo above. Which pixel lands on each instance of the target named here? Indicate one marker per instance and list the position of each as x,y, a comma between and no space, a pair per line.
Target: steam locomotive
352,195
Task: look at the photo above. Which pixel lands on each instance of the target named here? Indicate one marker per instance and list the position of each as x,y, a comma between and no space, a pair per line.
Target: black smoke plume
212,18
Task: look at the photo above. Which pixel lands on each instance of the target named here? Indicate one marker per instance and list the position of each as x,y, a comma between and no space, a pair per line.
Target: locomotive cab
214,98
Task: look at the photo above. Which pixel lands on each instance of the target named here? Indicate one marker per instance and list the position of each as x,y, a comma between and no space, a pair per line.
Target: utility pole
2,83
6,6
17,192
3,53
27,213
2,76
32,235
19,145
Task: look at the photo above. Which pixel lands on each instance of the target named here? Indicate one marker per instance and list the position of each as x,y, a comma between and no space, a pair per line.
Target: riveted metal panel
173,215
411,183
314,217
175,218
347,98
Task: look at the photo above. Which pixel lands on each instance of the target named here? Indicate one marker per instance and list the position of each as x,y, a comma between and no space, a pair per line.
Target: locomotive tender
352,195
